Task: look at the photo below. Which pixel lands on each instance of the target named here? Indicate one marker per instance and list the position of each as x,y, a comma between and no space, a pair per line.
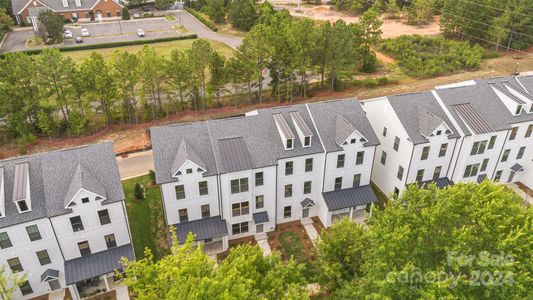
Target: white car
85,32
68,34
140,32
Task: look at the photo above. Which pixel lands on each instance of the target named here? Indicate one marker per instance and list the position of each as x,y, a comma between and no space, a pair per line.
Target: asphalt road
135,164
195,26
16,40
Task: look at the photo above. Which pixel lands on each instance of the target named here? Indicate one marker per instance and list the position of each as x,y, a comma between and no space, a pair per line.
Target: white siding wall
26,250
350,168
514,145
297,180
93,232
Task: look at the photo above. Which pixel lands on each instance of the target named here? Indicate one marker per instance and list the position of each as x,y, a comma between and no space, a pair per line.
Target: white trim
76,195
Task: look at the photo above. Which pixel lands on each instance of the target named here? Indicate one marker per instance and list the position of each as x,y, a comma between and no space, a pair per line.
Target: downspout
276,201
127,224
57,240
409,166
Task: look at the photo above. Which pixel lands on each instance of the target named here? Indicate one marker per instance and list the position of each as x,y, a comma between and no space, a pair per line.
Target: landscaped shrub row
429,56
116,44
202,19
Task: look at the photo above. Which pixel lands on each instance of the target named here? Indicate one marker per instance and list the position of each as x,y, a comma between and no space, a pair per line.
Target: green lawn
292,244
146,218
163,48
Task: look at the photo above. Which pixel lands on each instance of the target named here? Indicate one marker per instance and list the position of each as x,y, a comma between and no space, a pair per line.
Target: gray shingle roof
49,274
260,217
351,197
50,175
526,82
97,264
325,117
343,129
440,183
203,229
234,154
83,179
56,5
300,123
186,152
419,114
471,118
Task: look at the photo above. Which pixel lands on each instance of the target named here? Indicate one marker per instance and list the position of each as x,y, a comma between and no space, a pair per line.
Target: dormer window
285,132
188,171
65,3
290,144
439,132
22,206
518,109
85,200
307,141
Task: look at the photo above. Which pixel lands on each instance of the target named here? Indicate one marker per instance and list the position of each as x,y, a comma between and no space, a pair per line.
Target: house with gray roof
63,220
234,177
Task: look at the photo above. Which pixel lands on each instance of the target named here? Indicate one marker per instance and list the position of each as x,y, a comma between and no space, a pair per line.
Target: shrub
202,19
138,192
151,174
126,14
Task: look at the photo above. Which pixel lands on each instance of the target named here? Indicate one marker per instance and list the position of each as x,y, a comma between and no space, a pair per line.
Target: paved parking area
123,27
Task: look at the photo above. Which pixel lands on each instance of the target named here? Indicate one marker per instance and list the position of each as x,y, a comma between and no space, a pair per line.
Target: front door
259,228
54,284
511,177
305,213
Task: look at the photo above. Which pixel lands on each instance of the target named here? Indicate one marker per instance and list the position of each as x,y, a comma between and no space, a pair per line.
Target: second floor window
399,175
506,155
288,190
436,172
478,148
396,145
84,248
521,152
259,179
206,211
340,161
471,170
425,153
15,265
307,187
443,149
5,242
420,175
33,233
110,241
76,223
202,188
240,209
514,130
529,131
183,215
180,192
308,164
492,141
239,185
338,183
104,217
356,180
43,257
288,168
360,157
259,201
384,131
484,165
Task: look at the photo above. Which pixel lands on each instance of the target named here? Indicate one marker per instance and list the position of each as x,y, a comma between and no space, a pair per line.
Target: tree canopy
50,26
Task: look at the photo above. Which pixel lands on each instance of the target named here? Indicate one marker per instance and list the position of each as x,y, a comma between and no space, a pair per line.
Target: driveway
16,40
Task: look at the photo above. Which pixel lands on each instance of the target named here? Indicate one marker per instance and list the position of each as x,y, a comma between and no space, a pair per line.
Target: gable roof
343,129
50,177
83,179
420,114
57,5
300,123
184,153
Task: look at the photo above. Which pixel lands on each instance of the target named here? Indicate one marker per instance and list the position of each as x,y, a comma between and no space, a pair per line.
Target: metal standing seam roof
307,203
203,229
352,197
440,183
20,182
96,264
49,274
518,89
186,152
260,217
517,168
283,126
472,118
234,154
300,123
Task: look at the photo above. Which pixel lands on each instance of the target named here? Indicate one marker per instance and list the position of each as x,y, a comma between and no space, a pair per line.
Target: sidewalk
262,241
310,229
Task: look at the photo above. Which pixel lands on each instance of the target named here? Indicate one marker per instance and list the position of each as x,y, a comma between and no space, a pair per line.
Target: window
356,180
307,187
288,190
84,248
443,149
396,143
492,141
25,288
239,228
478,148
383,157
436,172
108,14
289,168
340,161
84,200
498,175
259,179
307,141
202,188
471,170
399,175
14,265
22,206
110,241
183,215
514,131
206,211
439,132
5,242
33,233
308,165
259,202
180,192
289,144
352,141
529,130
188,171
506,155
521,152
287,212
87,15
384,131
43,257
239,185
484,165
359,158
118,13
104,217
338,183
420,175
76,223
240,209
425,153
518,109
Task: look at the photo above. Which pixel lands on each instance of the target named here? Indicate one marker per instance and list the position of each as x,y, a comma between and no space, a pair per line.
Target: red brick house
82,10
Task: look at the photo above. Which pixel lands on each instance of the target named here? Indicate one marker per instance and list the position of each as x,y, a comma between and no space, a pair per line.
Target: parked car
85,32
140,32
79,39
146,8
136,16
68,34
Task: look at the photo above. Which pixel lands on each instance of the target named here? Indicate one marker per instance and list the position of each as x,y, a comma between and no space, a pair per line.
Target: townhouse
230,178
63,221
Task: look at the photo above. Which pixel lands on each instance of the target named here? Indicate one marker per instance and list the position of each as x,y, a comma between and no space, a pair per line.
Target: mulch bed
318,224
232,243
297,228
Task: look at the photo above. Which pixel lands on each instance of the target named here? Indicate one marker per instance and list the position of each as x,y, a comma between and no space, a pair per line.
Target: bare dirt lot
390,28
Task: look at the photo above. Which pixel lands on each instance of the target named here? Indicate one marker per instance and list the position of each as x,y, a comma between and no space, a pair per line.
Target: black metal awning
260,217
351,197
202,229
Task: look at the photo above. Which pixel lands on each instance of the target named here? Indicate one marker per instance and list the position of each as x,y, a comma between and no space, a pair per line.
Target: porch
211,232
350,203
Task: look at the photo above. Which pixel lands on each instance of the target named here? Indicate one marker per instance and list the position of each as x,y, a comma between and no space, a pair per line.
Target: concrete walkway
262,241
310,229
122,293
